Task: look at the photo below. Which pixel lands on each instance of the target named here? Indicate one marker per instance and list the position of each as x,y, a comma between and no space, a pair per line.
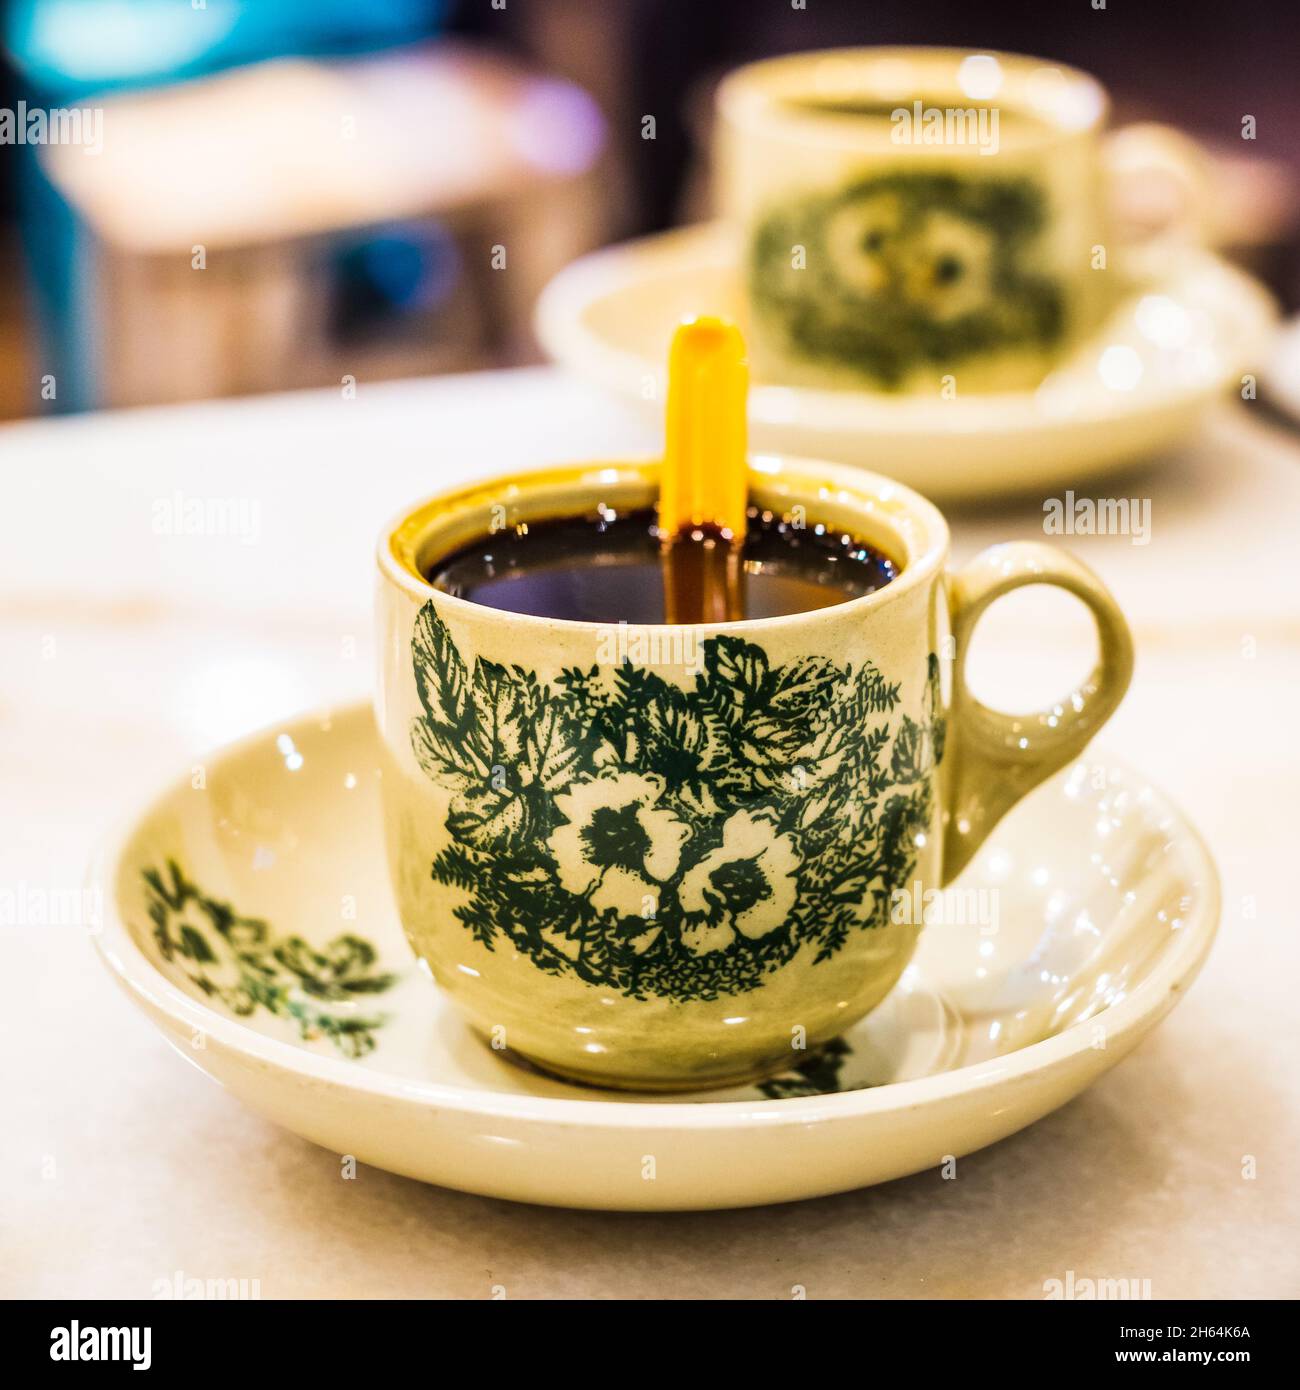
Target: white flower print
747,885
619,844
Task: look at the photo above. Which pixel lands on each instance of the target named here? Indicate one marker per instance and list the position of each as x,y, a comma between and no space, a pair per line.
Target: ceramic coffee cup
912,218
662,858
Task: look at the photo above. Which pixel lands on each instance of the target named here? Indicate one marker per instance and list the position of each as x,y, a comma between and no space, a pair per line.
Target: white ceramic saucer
1282,382
286,977
1188,327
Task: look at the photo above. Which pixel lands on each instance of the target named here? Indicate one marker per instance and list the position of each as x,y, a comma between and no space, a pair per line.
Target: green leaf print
238,962
817,1075
490,818
907,269
443,685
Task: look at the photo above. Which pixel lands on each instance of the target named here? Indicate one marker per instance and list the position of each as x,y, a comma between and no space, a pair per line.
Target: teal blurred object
65,50
69,47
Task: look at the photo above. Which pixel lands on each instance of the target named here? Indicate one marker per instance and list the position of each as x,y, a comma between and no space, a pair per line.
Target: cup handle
995,758
1160,183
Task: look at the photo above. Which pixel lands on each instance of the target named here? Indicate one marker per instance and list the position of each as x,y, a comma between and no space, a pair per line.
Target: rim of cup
906,526
776,96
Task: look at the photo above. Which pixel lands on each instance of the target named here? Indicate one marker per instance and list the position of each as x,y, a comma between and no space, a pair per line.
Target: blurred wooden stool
235,224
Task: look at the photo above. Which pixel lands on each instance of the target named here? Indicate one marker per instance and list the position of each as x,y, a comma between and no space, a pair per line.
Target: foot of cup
657,1086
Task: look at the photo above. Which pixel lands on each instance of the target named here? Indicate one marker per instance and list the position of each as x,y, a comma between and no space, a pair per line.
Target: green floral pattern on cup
893,272
670,842
240,963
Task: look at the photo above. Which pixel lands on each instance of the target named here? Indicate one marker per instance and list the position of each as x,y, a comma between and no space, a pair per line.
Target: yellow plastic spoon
703,488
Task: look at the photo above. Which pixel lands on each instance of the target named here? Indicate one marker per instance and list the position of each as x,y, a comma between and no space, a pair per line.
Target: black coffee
608,568
1010,123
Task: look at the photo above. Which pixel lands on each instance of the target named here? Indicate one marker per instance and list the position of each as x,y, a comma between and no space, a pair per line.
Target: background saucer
1188,327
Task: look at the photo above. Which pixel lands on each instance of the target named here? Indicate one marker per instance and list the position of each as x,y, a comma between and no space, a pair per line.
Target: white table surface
125,653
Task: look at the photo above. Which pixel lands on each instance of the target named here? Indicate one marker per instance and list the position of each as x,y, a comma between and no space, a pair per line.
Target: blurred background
276,195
